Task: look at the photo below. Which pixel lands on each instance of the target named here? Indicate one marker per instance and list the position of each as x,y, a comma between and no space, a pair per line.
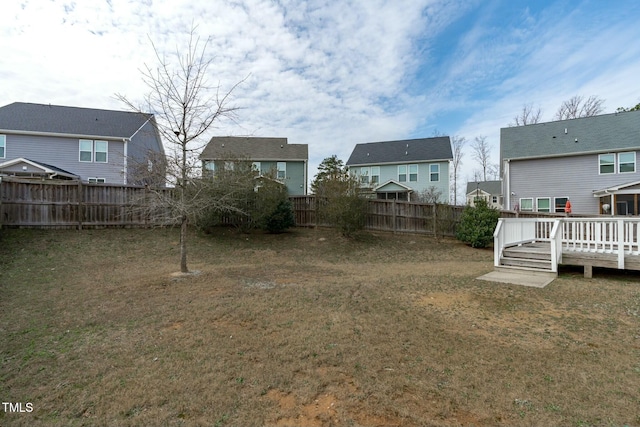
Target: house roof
604,133
254,148
408,150
46,168
392,185
616,189
56,119
489,187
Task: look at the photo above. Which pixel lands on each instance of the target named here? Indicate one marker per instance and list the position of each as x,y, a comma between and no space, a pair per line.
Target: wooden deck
543,244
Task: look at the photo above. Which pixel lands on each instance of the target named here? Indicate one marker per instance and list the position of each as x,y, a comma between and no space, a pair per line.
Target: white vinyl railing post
621,235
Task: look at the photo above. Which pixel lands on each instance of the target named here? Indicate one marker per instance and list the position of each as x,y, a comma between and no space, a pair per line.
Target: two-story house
591,161
404,169
489,191
271,157
98,146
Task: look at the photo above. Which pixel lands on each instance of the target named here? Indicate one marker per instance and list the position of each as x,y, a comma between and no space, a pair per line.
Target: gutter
60,135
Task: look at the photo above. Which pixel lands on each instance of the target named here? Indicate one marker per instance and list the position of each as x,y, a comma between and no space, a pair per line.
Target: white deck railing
593,235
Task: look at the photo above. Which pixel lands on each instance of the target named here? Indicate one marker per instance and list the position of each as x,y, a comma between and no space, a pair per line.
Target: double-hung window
93,151
413,173
282,170
434,172
544,204
627,162
3,146
526,205
375,174
607,163
402,173
364,175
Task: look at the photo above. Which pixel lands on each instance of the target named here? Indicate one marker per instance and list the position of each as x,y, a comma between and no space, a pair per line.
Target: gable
391,186
411,150
55,119
607,132
23,166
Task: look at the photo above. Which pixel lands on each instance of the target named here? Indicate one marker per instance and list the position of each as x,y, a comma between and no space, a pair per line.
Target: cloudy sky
332,74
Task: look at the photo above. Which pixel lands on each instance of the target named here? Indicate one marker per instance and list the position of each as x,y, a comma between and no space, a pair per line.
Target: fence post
1,195
79,205
393,215
435,220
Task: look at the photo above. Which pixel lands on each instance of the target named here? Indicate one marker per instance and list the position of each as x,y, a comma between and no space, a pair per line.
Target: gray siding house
404,169
271,157
99,146
489,191
591,161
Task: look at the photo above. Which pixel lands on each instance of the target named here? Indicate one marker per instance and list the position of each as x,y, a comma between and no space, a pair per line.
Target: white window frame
93,150
209,165
93,180
257,166
375,174
620,163
402,171
3,145
364,175
87,142
528,199
548,199
613,163
96,152
555,203
281,170
437,172
410,174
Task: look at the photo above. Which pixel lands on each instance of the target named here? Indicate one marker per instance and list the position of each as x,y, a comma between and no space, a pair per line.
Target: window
544,204
364,175
413,173
559,203
97,180
434,173
257,167
494,199
282,170
526,205
3,146
210,166
627,162
100,151
93,151
402,173
607,163
86,150
375,174
228,166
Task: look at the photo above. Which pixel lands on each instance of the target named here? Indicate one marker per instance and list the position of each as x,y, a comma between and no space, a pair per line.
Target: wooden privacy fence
46,204
60,204
391,215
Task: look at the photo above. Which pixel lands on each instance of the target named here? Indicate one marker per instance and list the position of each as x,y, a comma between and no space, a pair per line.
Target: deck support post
588,271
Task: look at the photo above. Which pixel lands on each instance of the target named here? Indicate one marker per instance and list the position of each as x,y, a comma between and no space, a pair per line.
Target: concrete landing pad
536,279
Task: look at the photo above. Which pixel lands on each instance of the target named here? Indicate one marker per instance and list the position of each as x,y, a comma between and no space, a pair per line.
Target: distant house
404,169
271,157
99,146
591,161
489,191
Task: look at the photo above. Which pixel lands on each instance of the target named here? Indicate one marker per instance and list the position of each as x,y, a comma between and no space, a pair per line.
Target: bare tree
481,154
457,144
577,106
528,116
186,107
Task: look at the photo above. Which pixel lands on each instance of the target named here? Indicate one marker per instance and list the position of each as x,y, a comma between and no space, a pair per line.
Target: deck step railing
619,236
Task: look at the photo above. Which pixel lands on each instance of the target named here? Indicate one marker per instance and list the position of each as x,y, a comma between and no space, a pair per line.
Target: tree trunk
183,245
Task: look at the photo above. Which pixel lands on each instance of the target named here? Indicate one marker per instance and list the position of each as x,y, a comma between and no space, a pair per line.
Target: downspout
124,162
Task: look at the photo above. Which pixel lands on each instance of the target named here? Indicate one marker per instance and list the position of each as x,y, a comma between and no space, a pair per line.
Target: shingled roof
56,119
254,148
594,134
408,150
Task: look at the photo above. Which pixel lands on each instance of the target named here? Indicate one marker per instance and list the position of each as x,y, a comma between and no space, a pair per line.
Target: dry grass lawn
305,329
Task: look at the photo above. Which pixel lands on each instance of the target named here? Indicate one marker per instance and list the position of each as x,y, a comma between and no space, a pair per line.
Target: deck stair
530,256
